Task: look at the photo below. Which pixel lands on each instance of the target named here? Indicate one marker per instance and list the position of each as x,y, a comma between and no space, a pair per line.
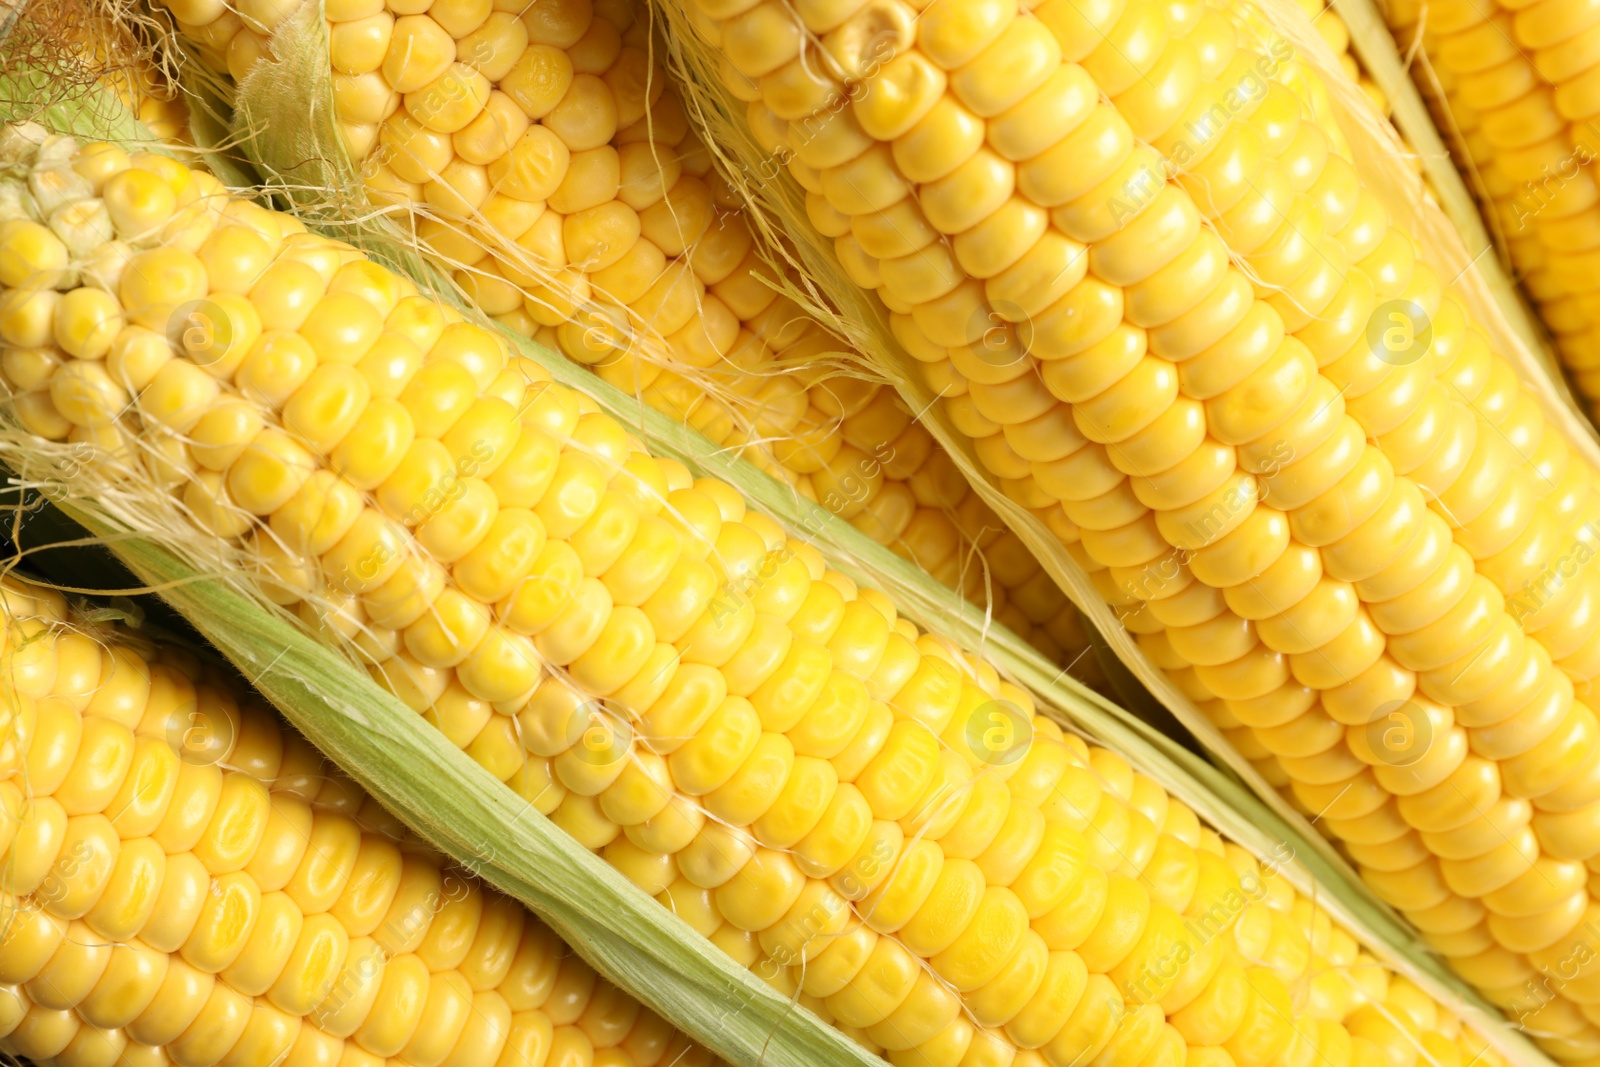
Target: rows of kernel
1305,529
187,882
1147,921
1525,153
802,754
561,180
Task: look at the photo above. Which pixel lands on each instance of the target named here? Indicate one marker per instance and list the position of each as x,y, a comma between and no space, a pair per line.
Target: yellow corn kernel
360,45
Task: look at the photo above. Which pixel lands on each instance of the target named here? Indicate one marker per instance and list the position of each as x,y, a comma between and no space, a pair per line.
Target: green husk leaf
99,115
210,116
302,155
459,807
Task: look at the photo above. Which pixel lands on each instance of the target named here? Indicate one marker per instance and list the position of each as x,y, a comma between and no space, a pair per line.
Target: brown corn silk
66,51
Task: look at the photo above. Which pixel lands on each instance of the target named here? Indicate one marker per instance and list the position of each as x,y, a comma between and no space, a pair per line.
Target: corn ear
106,959
1374,46
284,663
401,760
776,391
1105,516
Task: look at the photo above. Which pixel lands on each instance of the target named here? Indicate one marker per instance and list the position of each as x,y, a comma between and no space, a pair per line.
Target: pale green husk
283,121
459,807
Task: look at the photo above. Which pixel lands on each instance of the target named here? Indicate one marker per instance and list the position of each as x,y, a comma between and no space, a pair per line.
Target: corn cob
1234,392
867,816
1509,93
625,232
187,882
